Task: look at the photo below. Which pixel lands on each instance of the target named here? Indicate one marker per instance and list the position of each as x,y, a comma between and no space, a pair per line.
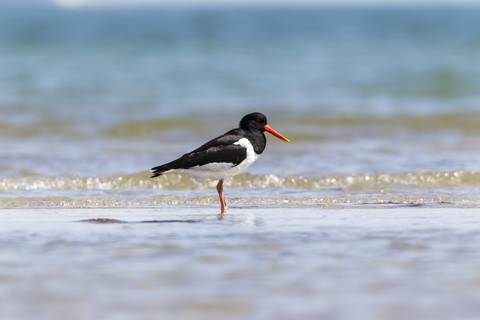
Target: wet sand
271,262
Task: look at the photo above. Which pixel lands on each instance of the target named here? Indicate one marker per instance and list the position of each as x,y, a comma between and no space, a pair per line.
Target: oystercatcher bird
225,156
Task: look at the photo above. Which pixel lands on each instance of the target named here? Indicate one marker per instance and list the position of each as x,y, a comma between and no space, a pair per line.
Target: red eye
258,120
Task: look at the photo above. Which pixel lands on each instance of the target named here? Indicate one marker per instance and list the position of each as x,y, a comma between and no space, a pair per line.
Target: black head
254,121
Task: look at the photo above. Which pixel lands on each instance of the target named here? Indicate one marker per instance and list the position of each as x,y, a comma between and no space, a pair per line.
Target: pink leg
223,205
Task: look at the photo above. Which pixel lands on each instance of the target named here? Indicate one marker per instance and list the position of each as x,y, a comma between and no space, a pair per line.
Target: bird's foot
224,209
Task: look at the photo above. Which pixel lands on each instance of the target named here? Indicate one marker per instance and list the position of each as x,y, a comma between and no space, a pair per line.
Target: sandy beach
256,262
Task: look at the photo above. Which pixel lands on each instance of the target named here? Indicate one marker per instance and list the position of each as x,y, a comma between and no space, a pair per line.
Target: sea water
184,262
93,98
370,212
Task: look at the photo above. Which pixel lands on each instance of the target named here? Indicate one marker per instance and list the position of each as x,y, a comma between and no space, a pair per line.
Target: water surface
371,212
259,263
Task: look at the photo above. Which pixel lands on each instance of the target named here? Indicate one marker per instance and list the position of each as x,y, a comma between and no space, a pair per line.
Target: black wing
220,149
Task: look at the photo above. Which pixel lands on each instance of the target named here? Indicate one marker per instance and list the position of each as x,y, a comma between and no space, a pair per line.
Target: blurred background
113,87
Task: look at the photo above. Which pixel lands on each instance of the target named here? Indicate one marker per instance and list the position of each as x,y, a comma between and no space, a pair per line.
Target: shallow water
369,213
261,262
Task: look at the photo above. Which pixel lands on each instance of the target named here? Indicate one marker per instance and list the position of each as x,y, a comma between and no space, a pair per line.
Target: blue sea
359,90
382,108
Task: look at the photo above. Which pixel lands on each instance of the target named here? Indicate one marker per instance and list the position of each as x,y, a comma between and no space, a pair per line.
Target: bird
224,156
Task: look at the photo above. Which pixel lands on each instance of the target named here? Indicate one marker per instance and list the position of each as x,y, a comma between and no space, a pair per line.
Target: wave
367,201
465,122
248,180
149,128
298,128
458,121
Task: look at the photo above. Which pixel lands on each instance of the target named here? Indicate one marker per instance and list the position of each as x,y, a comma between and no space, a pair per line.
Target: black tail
158,171
179,163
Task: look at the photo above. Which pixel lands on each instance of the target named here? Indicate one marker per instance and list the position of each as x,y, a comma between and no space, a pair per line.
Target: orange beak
275,133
